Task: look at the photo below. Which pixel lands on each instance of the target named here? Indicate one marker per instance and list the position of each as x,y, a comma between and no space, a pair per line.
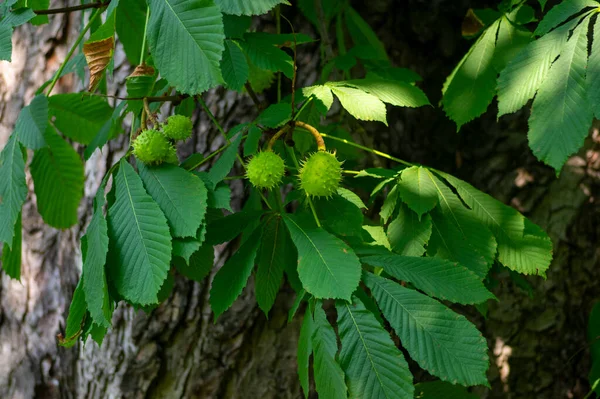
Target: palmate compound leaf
231,279
13,188
94,248
140,243
440,341
400,94
327,267
523,75
181,196
461,236
360,104
245,7
471,87
58,178
186,39
436,277
417,190
561,115
271,262
517,250
374,366
329,377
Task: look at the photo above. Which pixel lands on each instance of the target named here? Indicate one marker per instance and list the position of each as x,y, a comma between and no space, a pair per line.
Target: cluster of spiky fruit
154,147
320,174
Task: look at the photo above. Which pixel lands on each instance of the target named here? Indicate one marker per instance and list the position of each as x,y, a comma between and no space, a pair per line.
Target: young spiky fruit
172,156
265,170
151,147
178,127
320,174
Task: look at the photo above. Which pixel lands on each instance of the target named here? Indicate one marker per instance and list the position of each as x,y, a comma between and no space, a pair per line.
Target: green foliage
327,267
373,365
186,40
420,234
140,251
442,342
58,179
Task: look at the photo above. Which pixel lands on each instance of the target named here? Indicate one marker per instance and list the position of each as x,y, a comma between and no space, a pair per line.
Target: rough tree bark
537,343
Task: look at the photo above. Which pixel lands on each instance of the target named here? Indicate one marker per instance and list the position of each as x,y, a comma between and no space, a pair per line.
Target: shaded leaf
13,188
329,377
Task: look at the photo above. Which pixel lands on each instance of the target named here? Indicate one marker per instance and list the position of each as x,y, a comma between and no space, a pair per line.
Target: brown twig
276,136
157,99
314,132
99,4
149,113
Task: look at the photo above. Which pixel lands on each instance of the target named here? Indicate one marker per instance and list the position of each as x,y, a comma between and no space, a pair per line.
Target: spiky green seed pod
178,127
320,174
172,156
151,147
265,170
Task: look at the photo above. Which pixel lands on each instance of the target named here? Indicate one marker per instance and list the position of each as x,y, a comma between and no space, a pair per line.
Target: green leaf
186,39
234,66
252,140
199,265
131,18
327,267
11,255
440,341
322,94
417,190
329,377
561,115
593,73
94,248
407,234
139,85
271,262
516,250
13,188
378,235
231,279
401,94
441,389
227,228
185,248
519,81
58,178
374,367
447,242
265,55
180,195
5,43
224,164
18,17
339,216
244,7
304,350
389,204
78,116
464,220
361,104
469,90
276,115
436,277
511,39
107,131
75,320
140,243
235,26
351,197
32,122
560,13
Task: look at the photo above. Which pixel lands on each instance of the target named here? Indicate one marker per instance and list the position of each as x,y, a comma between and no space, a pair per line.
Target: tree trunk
537,343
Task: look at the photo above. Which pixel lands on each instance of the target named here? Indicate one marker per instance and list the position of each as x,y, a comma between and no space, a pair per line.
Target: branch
62,10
